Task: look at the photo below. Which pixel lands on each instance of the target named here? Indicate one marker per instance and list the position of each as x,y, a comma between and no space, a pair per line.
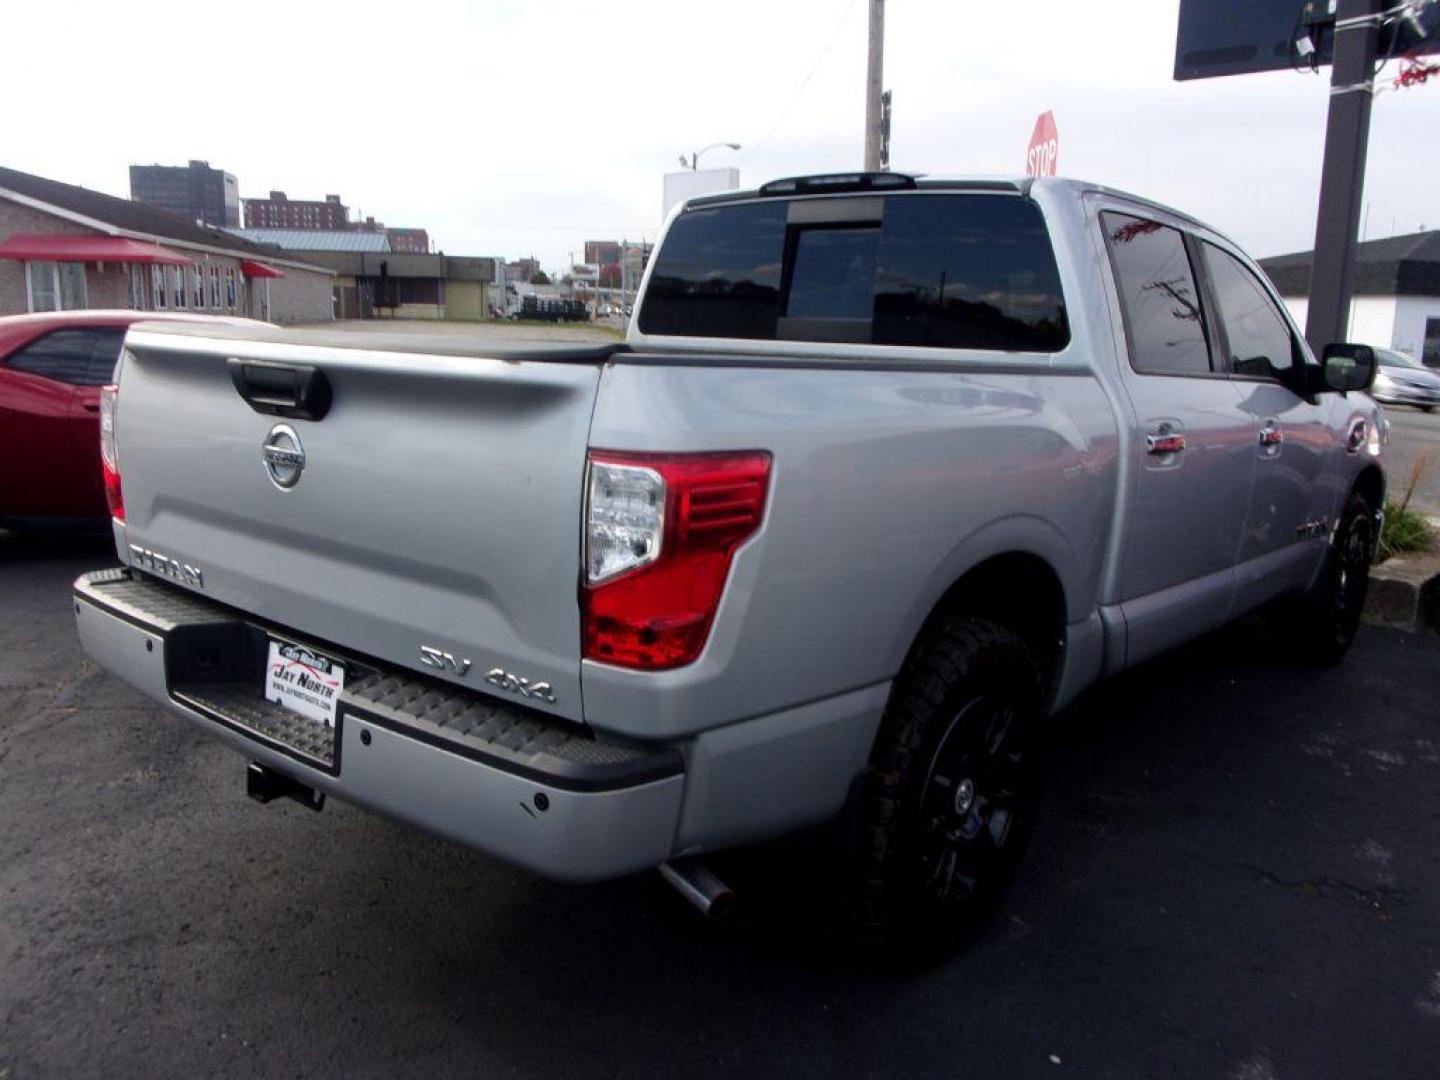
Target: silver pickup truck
887,470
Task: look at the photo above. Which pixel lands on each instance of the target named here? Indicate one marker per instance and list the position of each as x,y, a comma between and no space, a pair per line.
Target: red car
52,366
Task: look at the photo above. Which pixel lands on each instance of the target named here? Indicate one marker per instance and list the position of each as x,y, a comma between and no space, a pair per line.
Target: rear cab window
931,269
1159,296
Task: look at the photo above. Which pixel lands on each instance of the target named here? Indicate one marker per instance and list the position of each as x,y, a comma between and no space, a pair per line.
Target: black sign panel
1238,37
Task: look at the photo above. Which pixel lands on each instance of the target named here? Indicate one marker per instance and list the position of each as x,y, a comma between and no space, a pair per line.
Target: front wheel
1329,615
955,784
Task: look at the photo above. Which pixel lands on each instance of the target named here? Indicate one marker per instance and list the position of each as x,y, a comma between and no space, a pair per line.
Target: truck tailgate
438,507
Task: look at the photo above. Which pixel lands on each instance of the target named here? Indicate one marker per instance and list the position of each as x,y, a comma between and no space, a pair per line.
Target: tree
610,276
540,278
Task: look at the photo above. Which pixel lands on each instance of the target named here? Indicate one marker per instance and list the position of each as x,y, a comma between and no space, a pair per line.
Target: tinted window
950,271
718,274
968,272
79,357
108,340
1257,339
833,275
1161,304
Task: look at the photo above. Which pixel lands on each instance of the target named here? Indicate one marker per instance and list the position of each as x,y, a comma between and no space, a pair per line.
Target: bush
1406,529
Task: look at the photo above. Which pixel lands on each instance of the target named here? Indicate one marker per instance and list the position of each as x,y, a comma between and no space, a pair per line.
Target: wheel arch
1371,484
1016,576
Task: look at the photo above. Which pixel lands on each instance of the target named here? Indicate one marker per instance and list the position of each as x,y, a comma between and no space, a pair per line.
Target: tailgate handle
297,391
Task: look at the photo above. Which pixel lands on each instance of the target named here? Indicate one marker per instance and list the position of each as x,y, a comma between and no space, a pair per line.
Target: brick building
408,241
602,252
195,192
64,247
280,212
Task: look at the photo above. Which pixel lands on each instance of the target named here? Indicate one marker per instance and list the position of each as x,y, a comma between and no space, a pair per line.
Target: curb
1404,592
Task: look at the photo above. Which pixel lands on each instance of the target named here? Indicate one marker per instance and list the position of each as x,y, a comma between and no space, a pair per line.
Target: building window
198,283
157,287
1430,351
230,287
137,288
56,286
72,285
44,292
179,285
215,287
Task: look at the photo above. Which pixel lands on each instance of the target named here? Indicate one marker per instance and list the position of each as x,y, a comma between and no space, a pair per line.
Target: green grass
1405,529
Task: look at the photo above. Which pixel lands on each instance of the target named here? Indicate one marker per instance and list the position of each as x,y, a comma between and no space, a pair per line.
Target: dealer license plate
304,681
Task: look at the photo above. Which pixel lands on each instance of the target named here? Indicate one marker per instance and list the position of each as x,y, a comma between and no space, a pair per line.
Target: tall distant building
280,212
195,192
634,257
602,252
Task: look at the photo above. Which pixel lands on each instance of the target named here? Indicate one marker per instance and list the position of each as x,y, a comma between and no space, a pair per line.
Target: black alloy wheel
953,789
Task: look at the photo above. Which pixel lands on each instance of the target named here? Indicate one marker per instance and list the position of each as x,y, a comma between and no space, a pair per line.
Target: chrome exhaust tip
708,894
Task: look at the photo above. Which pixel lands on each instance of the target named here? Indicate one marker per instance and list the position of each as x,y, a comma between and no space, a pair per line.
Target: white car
1400,380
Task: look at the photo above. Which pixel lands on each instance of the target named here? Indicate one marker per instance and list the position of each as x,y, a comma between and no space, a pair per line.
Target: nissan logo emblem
284,456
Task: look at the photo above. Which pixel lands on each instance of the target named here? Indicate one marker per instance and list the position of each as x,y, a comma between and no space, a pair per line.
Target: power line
804,85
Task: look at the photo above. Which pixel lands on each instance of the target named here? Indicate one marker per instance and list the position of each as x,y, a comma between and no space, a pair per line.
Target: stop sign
1044,147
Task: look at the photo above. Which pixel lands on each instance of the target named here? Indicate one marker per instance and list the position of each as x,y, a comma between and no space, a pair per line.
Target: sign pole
1342,176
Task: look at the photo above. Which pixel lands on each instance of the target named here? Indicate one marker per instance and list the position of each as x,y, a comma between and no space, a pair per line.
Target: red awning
60,247
251,268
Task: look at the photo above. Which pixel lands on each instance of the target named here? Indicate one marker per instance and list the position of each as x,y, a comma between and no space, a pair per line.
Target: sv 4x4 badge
514,684
532,689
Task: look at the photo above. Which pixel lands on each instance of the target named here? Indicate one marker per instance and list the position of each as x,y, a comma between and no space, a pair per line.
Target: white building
1397,292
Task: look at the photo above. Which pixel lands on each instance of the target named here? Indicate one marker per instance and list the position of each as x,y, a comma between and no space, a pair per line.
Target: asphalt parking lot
1236,876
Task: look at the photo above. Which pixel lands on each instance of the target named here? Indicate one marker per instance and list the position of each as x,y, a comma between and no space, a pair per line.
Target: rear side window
969,272
718,274
1257,338
79,357
1164,326
946,271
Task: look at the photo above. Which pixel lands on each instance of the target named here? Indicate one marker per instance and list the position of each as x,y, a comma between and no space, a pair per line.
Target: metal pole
874,76
1342,176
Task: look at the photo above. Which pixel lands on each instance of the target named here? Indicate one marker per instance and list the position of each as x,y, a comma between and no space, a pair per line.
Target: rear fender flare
1023,534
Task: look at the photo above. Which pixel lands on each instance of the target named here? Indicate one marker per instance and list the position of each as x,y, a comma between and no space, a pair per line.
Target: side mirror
1348,367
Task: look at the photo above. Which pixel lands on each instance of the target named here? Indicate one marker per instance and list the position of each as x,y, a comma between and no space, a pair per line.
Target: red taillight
660,533
109,452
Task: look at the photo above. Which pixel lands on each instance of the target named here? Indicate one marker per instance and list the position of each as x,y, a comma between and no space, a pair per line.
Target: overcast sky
510,128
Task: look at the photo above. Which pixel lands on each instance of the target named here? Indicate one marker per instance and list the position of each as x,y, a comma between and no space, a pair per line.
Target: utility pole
1342,176
874,76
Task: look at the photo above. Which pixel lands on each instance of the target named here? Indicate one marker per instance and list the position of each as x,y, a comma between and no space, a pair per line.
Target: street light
694,158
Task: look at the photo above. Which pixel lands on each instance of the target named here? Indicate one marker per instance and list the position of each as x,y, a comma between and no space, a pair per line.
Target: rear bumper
505,780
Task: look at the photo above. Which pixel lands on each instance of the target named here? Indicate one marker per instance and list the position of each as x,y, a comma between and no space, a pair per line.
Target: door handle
90,406
1164,444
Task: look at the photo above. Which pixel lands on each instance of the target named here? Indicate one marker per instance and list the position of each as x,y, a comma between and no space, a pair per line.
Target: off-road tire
965,675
